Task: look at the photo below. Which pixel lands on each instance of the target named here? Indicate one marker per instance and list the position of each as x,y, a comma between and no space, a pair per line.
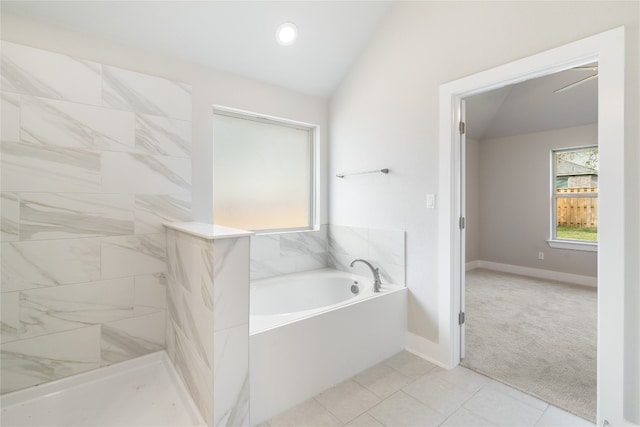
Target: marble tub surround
94,159
208,317
385,249
290,252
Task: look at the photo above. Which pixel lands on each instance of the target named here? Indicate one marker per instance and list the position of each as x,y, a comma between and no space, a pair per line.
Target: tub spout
375,271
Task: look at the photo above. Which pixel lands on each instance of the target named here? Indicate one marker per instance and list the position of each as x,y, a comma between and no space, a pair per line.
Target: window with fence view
575,194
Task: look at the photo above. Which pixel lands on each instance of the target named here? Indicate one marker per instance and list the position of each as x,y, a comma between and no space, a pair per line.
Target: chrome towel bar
343,175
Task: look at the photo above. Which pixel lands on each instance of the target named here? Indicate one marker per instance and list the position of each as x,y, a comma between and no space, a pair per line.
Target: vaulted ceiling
239,37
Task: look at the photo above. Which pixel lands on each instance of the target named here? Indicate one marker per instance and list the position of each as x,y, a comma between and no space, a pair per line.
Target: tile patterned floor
406,390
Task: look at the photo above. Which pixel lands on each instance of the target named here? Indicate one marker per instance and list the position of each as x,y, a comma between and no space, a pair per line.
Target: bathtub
311,330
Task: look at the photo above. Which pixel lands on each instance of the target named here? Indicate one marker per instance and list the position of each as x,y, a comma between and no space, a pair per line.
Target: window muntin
264,172
575,195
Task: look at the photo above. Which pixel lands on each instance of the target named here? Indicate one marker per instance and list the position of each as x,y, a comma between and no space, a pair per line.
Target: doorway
608,49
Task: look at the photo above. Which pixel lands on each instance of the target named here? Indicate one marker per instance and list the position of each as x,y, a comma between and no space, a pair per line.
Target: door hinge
461,318
461,127
461,223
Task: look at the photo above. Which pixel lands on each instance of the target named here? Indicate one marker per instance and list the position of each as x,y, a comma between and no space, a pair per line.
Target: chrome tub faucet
375,271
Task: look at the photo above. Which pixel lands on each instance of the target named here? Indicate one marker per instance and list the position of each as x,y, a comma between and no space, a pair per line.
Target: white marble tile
10,117
151,290
365,420
347,400
309,262
73,125
124,256
133,337
37,360
265,247
348,241
307,413
153,210
382,380
60,308
65,215
502,409
50,75
462,377
145,174
410,365
231,377
164,136
303,243
26,167
438,394
196,320
33,264
231,283
272,267
387,246
142,93
555,417
9,316
400,409
197,376
10,216
517,394
465,418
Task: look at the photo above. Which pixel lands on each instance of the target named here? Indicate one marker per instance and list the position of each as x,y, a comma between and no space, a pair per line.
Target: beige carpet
534,335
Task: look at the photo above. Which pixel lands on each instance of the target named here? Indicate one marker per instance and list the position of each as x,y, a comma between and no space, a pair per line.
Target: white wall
514,207
385,114
210,87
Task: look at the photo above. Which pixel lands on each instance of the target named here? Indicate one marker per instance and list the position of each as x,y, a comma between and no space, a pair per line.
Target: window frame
314,163
554,241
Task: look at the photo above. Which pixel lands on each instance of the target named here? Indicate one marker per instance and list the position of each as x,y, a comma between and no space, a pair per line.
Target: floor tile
517,394
365,420
409,364
502,409
382,380
400,409
308,413
438,394
462,377
347,400
465,418
555,417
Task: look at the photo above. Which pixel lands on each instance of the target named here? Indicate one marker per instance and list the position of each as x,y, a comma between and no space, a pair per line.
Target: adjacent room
531,237
255,213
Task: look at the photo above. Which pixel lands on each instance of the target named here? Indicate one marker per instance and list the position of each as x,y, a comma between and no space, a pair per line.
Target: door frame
608,50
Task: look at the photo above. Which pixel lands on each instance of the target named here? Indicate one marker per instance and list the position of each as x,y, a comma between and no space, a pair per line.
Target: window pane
576,194
262,174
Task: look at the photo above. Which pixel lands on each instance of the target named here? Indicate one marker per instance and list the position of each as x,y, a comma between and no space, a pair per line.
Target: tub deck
142,392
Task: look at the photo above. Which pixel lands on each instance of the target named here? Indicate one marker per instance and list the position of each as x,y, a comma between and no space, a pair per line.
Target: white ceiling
239,37
532,106
235,36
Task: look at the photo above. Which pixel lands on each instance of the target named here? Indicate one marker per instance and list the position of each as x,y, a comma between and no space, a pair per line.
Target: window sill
573,245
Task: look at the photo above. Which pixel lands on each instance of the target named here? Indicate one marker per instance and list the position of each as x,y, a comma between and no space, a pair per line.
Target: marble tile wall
385,249
284,253
208,323
93,160
332,246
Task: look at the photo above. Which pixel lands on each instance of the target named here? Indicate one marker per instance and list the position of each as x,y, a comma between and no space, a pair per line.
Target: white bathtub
308,332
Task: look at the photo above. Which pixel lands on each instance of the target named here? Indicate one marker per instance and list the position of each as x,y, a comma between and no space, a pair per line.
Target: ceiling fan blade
574,84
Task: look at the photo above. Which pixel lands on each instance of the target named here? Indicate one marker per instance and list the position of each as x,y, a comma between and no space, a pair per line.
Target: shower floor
142,392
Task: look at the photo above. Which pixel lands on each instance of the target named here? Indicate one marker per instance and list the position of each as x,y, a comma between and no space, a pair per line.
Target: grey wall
472,201
513,204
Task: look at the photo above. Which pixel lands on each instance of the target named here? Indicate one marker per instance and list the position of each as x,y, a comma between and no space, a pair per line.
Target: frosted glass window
263,174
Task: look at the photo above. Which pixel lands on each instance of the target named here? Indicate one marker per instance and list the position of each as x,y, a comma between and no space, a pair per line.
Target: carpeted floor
534,335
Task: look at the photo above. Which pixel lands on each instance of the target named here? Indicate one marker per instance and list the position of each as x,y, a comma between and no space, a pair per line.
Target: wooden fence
578,212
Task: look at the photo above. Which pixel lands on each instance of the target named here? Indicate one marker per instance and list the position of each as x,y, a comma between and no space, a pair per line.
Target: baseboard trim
425,349
575,279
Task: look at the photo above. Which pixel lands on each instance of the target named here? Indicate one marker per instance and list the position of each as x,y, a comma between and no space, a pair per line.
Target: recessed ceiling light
287,33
